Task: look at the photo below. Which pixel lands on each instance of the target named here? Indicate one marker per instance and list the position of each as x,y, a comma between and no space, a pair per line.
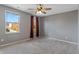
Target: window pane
12,22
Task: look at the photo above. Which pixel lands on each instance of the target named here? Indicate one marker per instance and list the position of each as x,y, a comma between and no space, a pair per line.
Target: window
11,22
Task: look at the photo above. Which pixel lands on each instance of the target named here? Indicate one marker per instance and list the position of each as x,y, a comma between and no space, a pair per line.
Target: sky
11,17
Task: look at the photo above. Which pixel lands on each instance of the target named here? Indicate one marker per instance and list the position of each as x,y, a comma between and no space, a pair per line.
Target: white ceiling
56,8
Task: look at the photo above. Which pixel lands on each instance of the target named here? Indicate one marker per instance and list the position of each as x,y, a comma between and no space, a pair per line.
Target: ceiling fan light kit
40,9
39,12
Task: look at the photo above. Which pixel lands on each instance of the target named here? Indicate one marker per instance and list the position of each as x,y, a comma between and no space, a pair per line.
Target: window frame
6,22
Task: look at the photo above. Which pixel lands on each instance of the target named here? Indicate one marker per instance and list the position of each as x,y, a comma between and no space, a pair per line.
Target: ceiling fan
40,9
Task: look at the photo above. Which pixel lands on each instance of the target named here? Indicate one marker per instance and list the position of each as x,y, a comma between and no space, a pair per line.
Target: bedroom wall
62,26
78,27
24,26
41,27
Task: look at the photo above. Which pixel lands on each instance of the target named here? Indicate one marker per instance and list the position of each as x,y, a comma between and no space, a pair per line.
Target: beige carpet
41,46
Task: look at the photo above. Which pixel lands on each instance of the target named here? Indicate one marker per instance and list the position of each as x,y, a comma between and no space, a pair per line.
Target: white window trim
18,22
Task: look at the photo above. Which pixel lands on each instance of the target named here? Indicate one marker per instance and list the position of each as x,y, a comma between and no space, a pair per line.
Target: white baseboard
63,40
15,42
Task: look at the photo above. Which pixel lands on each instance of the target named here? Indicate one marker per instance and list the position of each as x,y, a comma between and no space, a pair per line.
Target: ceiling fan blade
43,12
48,8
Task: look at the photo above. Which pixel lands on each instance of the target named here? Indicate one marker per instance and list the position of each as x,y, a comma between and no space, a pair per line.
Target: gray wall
78,27
41,27
62,26
24,26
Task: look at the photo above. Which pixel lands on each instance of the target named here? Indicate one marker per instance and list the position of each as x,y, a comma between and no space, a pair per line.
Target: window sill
12,32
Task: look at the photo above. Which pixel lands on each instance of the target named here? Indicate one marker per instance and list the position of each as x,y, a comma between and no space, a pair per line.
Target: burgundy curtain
37,27
31,30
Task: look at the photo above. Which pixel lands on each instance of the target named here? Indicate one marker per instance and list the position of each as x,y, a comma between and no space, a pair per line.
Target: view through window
11,22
